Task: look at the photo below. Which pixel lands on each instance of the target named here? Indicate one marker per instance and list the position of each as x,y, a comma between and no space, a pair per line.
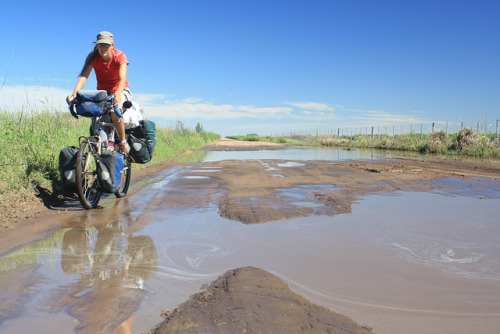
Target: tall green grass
272,139
30,144
465,142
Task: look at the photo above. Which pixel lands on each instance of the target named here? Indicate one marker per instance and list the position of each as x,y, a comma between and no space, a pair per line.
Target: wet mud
255,191
251,300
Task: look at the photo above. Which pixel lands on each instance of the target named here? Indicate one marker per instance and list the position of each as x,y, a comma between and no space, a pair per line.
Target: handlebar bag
90,103
110,168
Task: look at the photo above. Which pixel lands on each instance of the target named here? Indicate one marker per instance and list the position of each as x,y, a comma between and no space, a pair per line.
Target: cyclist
110,66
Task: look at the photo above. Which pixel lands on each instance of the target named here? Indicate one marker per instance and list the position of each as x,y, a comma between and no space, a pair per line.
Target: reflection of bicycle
87,158
113,266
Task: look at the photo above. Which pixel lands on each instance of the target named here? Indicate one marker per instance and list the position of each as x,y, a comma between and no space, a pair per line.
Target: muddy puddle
400,261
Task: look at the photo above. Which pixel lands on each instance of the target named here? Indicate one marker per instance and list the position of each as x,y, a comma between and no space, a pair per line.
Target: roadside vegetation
465,142
280,139
30,144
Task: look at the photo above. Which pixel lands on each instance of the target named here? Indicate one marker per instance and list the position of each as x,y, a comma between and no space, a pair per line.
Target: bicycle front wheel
122,191
86,177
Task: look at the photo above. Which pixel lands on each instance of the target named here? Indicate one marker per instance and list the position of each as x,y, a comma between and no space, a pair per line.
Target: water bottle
104,139
111,140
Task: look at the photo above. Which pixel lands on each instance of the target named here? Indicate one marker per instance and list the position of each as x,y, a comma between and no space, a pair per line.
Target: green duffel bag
142,141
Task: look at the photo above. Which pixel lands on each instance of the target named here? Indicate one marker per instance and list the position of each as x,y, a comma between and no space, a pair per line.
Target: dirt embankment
251,300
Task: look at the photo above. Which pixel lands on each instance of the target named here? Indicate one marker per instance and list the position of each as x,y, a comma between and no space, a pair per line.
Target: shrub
466,137
436,141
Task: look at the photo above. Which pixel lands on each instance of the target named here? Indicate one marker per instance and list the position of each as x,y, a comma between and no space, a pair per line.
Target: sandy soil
250,299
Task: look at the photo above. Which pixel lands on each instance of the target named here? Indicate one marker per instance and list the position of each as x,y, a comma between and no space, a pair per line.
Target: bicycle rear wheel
122,191
86,177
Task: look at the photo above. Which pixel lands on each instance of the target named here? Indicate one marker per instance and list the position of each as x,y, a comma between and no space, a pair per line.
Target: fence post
421,131
497,128
432,128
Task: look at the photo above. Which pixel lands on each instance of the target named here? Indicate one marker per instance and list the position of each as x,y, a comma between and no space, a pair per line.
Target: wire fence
422,129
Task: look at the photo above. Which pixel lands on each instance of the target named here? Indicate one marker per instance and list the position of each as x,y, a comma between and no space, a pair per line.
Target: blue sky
267,67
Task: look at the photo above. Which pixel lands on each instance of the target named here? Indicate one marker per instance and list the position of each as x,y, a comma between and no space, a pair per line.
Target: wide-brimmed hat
104,37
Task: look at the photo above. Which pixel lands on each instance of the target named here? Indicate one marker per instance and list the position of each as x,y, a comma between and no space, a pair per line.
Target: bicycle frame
88,156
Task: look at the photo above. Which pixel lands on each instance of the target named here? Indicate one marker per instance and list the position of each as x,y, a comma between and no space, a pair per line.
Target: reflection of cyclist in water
112,289
75,252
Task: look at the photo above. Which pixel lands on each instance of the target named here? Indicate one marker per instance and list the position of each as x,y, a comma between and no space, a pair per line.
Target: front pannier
67,167
110,168
90,103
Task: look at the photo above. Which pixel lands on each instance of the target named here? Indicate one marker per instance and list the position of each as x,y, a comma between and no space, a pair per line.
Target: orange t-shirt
107,75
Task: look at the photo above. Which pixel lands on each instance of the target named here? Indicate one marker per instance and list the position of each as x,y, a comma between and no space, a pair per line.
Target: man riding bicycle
110,66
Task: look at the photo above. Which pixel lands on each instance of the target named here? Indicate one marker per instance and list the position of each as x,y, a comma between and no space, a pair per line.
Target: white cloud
295,115
180,111
157,105
260,110
311,106
32,98
379,116
149,99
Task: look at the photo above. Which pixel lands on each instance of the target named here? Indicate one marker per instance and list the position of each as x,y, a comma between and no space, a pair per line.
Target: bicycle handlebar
110,99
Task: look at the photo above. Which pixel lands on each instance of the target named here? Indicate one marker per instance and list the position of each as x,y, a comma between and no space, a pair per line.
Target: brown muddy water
405,262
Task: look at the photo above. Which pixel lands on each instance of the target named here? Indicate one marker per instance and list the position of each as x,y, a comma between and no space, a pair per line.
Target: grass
280,140
30,144
464,143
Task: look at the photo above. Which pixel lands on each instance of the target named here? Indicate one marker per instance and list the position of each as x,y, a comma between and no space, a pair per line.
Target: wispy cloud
196,108
265,110
382,117
32,97
313,106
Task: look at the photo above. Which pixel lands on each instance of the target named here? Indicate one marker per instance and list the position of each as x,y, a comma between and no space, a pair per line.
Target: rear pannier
90,103
142,141
110,168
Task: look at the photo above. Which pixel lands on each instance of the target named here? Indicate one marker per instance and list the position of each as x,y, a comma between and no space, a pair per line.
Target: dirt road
252,192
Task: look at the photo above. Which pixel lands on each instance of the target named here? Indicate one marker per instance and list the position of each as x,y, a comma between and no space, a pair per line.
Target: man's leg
120,130
118,122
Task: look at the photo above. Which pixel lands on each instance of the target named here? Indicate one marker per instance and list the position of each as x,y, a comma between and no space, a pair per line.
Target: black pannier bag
90,103
142,141
110,168
67,167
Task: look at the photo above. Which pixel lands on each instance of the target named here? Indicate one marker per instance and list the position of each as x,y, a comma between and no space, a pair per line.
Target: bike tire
127,171
87,187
